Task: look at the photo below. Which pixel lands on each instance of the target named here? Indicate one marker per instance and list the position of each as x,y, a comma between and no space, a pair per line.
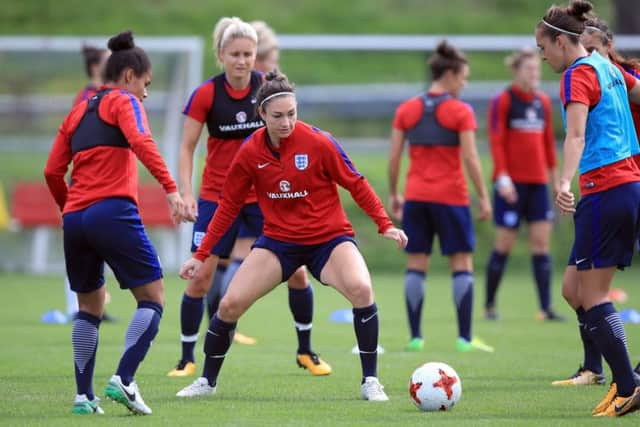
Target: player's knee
198,287
361,294
230,309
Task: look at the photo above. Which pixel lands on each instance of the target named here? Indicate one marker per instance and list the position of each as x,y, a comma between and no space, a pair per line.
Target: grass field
261,385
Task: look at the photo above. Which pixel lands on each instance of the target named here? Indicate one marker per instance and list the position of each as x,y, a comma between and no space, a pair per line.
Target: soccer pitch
262,386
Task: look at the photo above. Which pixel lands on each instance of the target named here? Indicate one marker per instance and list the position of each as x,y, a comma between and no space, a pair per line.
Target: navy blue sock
301,306
365,323
607,331
463,298
495,269
541,265
592,356
84,338
414,297
216,344
214,296
191,312
142,330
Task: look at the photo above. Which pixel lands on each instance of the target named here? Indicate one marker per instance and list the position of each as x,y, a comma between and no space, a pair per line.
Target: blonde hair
267,39
228,29
515,60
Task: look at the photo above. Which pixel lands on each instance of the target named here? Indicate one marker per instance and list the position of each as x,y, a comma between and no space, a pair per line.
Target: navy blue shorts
606,228
250,218
108,231
532,205
422,220
292,255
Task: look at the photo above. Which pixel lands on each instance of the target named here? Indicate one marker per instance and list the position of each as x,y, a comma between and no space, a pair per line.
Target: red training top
435,172
105,171
220,152
521,147
584,88
296,188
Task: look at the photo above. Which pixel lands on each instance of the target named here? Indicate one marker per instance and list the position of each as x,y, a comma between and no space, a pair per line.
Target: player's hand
190,268
191,206
397,235
484,208
506,189
177,207
565,199
395,206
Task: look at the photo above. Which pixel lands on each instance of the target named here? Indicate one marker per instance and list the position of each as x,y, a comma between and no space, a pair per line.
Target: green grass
261,386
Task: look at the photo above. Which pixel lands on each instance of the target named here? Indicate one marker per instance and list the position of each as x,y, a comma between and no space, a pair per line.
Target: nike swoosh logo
578,261
130,396
263,165
366,319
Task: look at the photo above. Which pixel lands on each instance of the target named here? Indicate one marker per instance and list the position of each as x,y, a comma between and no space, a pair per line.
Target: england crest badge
301,161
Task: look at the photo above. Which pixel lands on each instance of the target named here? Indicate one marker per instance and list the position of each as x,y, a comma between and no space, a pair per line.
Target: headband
273,95
571,33
591,27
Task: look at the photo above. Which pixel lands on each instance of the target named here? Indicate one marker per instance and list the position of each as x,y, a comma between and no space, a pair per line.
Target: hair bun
446,50
579,8
276,76
122,41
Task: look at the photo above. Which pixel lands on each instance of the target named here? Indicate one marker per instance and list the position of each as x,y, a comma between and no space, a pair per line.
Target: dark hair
446,57
125,54
274,82
604,32
92,56
569,19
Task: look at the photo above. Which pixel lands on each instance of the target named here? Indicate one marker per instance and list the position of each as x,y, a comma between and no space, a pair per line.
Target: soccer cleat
183,369
244,339
622,405
83,406
372,390
550,316
637,370
200,387
582,377
416,344
606,402
313,364
490,313
129,395
476,344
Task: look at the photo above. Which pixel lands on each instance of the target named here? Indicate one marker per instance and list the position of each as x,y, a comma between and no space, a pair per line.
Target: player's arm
395,156
550,145
474,169
634,90
234,193
132,120
573,147
190,136
497,128
58,164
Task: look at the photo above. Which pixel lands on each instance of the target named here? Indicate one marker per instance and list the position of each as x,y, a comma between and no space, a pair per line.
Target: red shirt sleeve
580,84
200,102
497,127
464,117
549,136
342,171
408,114
58,162
128,113
234,193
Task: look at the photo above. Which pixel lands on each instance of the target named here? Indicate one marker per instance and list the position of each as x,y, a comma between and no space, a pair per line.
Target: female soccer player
104,137
440,129
524,159
599,142
294,168
226,103
268,54
598,37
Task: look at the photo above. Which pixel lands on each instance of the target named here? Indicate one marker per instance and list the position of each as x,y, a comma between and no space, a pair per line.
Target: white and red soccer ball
435,386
